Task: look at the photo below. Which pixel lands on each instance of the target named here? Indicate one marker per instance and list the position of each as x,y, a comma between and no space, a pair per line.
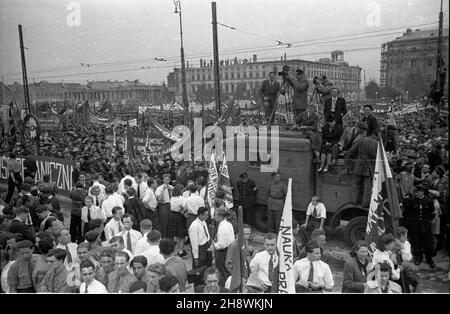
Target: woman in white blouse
177,219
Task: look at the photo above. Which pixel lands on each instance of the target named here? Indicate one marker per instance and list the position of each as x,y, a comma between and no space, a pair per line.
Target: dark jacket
418,214
269,91
340,109
364,153
354,277
300,96
77,196
331,135
246,192
372,125
133,207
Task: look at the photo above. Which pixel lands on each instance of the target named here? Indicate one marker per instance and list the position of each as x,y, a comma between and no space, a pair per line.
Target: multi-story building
414,52
251,73
114,91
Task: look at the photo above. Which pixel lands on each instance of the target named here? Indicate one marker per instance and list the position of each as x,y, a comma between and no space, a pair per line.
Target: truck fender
348,211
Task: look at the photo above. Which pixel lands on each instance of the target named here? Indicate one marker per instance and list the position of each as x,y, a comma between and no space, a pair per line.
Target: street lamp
183,69
376,95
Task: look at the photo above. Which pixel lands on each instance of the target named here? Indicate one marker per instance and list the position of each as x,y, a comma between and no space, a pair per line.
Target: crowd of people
132,223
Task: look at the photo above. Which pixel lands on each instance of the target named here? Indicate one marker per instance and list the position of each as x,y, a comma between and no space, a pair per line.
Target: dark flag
384,202
130,145
239,271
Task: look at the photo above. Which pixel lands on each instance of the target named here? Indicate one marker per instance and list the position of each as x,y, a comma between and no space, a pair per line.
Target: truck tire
355,230
260,218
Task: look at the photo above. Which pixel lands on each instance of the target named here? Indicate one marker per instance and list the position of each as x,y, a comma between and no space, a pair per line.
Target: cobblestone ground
430,281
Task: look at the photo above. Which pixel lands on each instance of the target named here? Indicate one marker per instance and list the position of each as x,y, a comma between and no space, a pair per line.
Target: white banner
213,182
285,246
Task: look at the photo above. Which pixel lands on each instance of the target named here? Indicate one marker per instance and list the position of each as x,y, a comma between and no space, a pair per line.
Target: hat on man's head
275,173
362,125
411,154
368,106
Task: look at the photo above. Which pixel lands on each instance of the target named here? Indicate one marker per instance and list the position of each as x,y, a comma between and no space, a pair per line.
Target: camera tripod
290,117
317,97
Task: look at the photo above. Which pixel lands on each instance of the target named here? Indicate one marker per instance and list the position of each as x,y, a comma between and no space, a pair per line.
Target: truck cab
296,162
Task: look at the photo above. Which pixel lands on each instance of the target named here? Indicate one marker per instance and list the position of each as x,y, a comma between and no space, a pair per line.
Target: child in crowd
315,215
406,256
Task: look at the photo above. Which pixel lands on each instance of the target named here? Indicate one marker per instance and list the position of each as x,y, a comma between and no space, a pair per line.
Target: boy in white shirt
410,278
90,212
315,214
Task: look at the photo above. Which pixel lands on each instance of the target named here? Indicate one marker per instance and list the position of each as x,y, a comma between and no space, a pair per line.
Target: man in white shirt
312,275
163,195
193,203
96,182
142,186
65,242
200,240
149,201
113,199
114,226
142,245
315,214
129,235
152,254
264,263
90,284
224,237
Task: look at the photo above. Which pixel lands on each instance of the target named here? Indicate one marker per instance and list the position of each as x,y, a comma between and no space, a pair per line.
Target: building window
251,74
413,63
430,62
232,75
245,74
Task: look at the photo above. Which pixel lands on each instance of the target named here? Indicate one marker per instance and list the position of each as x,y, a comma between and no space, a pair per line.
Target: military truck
296,162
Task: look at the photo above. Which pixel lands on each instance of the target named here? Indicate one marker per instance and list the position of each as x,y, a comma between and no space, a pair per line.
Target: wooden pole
216,61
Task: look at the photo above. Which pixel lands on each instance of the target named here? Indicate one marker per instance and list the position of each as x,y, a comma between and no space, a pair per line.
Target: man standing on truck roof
275,203
363,154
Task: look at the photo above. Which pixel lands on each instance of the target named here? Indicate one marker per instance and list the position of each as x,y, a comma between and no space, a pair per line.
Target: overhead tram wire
233,51
171,66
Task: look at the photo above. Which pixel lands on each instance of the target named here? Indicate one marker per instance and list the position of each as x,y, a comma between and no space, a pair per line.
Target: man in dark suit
247,193
269,93
370,120
133,206
363,154
419,212
335,105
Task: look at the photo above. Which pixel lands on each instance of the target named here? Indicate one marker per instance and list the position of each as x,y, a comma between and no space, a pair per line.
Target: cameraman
269,93
323,86
300,98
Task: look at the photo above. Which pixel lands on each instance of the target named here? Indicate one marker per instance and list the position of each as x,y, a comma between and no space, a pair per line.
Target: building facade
415,52
248,74
113,91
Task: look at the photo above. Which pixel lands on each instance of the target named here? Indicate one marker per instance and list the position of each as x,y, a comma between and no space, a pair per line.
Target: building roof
418,34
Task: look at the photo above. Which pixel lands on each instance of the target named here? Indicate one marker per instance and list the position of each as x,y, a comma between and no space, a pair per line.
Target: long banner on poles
60,171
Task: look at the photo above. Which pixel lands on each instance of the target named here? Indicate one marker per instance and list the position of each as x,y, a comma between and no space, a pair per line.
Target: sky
76,41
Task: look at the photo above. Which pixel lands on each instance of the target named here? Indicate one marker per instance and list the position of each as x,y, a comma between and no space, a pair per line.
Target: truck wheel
355,230
261,219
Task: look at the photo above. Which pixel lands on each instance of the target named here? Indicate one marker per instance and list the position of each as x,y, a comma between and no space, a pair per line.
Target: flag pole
240,225
388,187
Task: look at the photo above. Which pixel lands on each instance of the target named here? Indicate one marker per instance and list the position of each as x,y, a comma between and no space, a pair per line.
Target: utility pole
183,68
216,61
24,72
440,79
